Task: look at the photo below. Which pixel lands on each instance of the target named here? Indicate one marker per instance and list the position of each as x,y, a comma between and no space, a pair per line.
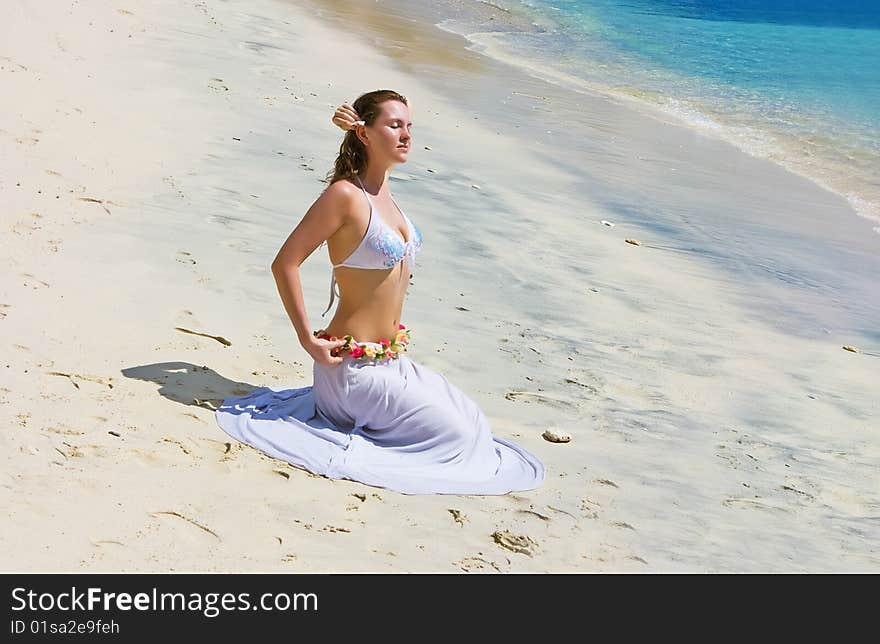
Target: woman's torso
371,299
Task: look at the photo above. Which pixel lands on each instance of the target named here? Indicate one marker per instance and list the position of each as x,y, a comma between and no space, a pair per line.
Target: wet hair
352,159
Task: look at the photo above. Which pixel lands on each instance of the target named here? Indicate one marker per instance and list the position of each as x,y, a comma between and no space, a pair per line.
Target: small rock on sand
556,436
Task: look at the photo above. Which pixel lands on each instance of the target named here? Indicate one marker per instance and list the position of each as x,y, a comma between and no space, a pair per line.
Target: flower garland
388,349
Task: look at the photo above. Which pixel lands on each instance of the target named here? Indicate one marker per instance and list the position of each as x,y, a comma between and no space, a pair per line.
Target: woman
372,414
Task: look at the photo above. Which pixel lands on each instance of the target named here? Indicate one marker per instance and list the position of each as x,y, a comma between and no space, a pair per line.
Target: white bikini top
381,248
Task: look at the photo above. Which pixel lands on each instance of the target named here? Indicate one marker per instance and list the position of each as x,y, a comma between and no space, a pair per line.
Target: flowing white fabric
392,424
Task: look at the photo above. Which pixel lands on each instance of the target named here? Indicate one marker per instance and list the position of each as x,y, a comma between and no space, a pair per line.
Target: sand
154,158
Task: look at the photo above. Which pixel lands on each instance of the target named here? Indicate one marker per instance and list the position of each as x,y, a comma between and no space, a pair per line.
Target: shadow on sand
188,384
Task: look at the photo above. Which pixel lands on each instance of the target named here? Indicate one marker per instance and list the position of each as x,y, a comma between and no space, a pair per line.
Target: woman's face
390,135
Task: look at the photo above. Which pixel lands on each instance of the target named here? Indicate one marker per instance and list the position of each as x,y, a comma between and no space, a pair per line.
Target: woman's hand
324,352
346,118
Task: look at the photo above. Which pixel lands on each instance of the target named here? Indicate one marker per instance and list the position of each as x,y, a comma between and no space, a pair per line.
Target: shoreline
706,435
701,120
770,212
486,33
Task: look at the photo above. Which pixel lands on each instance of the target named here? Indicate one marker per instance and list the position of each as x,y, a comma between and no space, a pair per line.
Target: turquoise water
795,81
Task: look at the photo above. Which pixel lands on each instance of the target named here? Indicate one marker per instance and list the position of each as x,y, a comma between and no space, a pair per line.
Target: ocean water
793,81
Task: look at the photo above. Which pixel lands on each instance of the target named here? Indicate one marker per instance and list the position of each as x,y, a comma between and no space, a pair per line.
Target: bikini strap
334,291
366,194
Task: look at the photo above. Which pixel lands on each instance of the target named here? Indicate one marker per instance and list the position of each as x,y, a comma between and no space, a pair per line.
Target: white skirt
391,423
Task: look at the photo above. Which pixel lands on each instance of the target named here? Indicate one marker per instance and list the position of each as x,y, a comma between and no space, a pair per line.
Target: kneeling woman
372,414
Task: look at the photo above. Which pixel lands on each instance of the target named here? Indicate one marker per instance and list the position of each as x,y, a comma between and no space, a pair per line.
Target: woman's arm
322,220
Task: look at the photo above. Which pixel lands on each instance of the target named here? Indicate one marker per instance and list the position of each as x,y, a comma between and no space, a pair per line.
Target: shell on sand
556,436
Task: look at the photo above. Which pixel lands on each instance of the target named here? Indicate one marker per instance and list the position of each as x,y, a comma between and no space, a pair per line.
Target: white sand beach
154,156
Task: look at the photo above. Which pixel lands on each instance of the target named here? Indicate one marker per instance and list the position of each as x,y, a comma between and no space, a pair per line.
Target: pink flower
357,352
384,343
400,326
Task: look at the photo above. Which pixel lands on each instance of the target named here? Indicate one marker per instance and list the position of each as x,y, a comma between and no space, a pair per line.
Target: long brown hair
352,157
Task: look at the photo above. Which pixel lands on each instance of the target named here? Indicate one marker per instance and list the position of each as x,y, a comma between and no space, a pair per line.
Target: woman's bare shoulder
336,203
341,191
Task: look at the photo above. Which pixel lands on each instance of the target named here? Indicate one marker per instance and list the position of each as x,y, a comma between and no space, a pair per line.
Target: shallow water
794,82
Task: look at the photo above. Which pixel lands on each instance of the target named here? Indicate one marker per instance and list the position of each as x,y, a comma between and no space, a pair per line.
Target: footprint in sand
184,448
33,282
590,508
755,503
203,7
231,451
15,65
218,85
622,524
547,399
477,564
241,245
27,227
459,518
170,181
844,499
185,257
589,382
796,487
64,430
71,451
27,140
519,543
